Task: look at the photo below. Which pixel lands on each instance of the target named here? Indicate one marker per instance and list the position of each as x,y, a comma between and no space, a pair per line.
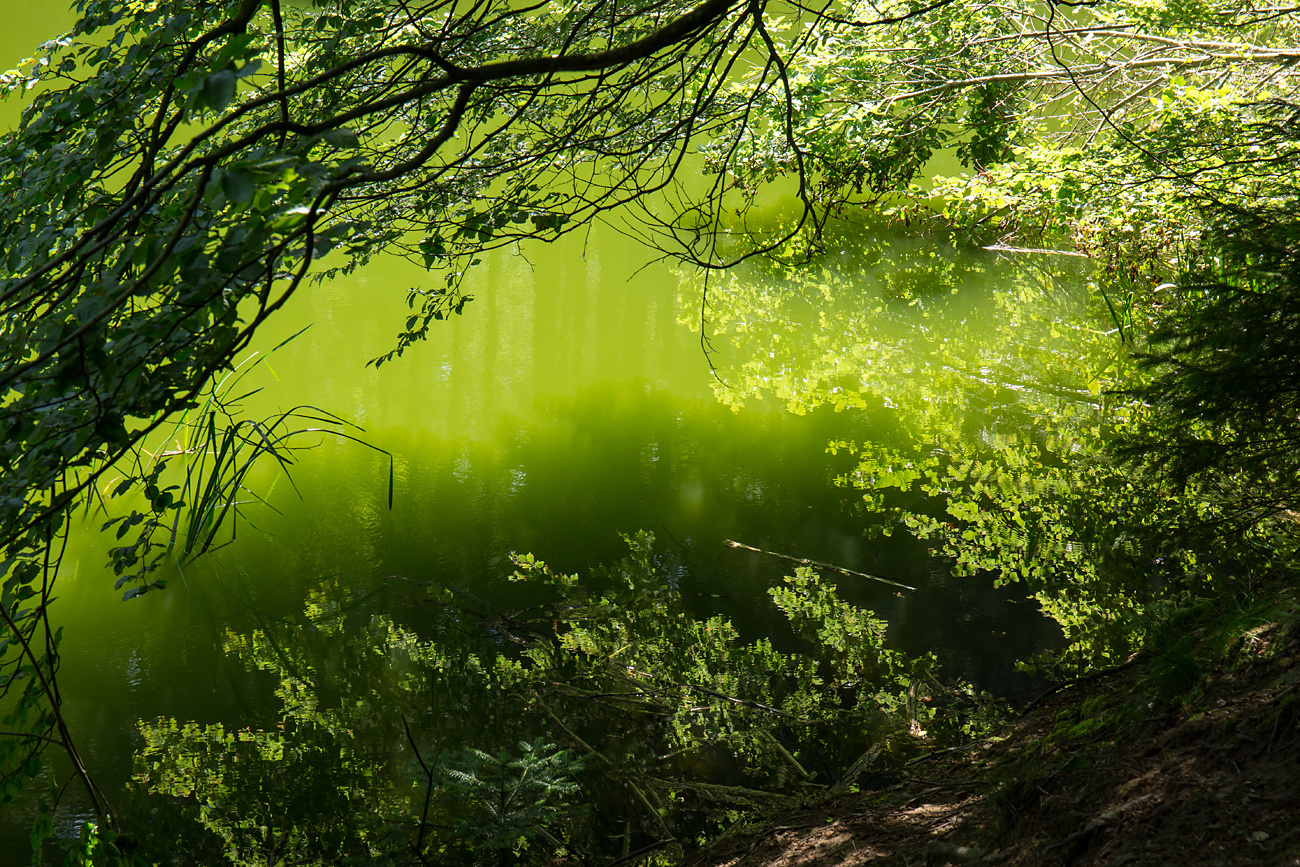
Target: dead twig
1094,675
1099,822
817,564
953,852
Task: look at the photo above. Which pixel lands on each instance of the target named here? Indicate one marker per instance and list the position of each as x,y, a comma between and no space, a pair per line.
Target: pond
572,404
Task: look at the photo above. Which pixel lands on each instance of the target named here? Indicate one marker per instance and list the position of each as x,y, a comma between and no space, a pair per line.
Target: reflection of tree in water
993,375
321,782
942,336
600,722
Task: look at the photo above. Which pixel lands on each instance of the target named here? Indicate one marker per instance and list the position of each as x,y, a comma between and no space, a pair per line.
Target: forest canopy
181,168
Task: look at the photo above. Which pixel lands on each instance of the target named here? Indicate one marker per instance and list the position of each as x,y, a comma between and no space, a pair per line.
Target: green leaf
218,89
249,68
238,185
341,138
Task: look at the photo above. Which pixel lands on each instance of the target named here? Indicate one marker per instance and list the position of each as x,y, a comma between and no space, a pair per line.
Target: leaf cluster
445,746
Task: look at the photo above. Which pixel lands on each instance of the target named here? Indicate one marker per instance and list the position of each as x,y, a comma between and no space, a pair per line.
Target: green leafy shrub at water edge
600,722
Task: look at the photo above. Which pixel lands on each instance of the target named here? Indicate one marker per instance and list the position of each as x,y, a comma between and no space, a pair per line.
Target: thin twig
1094,675
428,790
1002,248
804,561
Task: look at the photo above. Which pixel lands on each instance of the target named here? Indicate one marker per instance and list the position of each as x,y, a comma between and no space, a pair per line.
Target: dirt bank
1190,756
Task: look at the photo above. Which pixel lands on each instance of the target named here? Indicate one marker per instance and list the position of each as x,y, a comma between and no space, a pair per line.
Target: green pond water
573,403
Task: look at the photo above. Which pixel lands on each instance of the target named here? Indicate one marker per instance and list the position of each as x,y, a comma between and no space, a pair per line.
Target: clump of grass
198,487
221,448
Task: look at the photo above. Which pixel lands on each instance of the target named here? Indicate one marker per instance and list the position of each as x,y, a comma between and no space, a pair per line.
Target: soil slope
1184,758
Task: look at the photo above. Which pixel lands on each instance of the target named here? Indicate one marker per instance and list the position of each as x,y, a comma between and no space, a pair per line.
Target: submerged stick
1001,248
804,561
727,794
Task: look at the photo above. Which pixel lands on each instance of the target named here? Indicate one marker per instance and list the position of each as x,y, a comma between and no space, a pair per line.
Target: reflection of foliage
1099,544
391,744
1191,213
303,793
500,802
996,412
318,787
904,322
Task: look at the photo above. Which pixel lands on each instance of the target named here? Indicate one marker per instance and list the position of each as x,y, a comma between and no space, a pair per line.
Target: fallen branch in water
851,775
743,702
804,561
999,248
760,798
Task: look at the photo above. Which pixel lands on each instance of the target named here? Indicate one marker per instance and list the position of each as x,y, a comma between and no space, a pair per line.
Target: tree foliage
1223,356
1011,85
